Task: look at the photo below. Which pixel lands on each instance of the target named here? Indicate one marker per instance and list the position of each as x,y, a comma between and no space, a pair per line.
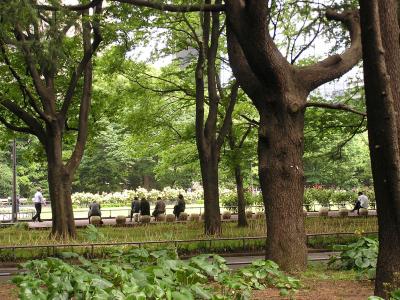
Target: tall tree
279,91
381,55
39,47
208,142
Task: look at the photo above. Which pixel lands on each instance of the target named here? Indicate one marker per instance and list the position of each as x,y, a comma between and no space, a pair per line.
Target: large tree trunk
209,175
380,38
60,182
280,152
242,221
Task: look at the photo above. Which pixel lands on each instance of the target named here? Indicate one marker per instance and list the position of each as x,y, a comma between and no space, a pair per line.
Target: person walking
144,207
135,207
38,200
160,208
362,202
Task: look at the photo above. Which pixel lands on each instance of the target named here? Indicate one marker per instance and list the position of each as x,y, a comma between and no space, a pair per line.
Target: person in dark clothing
144,207
160,208
94,210
180,206
135,207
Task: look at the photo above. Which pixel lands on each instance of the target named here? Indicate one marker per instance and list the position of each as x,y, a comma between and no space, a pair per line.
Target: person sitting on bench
94,210
160,208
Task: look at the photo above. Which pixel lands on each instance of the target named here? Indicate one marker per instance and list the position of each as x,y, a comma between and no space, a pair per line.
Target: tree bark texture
63,224
279,91
241,203
381,52
237,169
280,152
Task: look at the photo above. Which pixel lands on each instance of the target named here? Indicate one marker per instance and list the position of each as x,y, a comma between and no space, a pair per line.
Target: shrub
341,197
183,216
229,200
145,219
226,215
120,220
92,234
360,256
170,218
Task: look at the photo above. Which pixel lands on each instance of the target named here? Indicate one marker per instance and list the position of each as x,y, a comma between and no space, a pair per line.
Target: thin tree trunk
209,172
242,221
280,152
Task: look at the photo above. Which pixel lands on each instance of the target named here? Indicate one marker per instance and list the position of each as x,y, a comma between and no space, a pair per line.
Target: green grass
182,231
320,271
17,236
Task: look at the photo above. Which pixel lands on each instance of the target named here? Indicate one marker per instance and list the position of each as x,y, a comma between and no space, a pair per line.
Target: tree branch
24,89
228,115
87,56
336,65
34,126
251,121
142,3
41,89
175,8
84,108
15,128
337,106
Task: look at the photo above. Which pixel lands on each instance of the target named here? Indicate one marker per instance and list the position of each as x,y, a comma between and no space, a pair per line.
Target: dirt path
8,291
325,290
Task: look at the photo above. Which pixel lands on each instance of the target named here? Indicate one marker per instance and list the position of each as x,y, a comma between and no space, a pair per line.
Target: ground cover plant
360,256
140,274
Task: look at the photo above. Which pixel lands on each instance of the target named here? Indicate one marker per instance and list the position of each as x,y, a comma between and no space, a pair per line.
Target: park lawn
182,231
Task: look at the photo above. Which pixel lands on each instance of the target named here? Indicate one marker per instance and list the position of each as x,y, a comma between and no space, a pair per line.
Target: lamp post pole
14,181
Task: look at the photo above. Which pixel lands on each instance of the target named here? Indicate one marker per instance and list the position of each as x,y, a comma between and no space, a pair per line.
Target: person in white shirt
362,202
38,200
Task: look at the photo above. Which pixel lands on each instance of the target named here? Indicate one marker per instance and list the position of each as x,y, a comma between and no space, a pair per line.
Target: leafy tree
40,87
279,91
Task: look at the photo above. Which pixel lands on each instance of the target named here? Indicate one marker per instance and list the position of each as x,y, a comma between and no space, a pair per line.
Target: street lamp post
14,181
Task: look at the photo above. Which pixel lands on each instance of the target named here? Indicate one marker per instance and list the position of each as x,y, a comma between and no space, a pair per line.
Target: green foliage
229,200
140,274
340,198
360,256
93,234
